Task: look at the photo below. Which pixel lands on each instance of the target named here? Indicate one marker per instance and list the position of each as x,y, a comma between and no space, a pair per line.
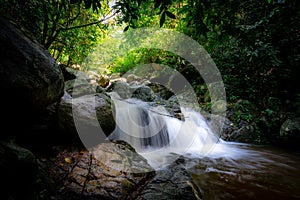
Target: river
223,170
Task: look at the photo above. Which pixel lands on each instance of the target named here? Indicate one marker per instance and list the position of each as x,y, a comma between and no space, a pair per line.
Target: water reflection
247,172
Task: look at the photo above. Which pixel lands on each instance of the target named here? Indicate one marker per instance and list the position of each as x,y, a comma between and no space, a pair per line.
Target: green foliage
242,111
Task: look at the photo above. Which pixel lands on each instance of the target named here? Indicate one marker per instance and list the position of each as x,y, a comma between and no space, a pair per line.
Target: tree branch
89,24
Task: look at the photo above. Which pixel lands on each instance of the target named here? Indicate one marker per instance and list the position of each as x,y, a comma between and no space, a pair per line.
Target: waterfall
221,169
155,134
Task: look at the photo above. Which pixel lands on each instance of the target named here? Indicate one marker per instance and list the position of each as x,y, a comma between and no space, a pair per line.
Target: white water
223,170
156,135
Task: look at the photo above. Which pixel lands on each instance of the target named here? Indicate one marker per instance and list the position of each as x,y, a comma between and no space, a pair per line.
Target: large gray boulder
90,112
29,76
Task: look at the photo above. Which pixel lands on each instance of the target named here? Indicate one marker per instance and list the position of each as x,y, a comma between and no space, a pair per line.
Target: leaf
162,19
126,28
68,160
171,15
269,1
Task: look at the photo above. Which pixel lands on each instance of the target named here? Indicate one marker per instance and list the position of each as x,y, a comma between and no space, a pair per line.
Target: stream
260,172
223,170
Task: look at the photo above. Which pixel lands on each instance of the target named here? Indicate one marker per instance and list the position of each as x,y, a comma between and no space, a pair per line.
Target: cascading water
224,170
155,134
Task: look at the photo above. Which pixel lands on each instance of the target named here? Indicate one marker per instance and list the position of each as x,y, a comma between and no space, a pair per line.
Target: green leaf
171,15
269,1
162,19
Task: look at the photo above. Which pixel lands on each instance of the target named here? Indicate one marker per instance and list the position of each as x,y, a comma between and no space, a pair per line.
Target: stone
243,134
122,88
29,76
160,90
103,81
131,77
172,182
107,171
67,73
290,133
90,111
143,93
18,171
221,126
80,85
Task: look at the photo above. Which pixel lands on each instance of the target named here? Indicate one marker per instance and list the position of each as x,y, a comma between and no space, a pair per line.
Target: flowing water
223,170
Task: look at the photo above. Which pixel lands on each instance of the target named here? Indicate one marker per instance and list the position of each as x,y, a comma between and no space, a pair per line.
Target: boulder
172,182
126,91
290,133
29,76
67,72
222,127
18,172
131,77
161,91
107,171
103,81
122,88
79,86
143,93
90,111
244,134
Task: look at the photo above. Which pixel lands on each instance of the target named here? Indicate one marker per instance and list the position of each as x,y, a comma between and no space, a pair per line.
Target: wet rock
107,171
90,111
143,93
290,133
160,90
79,86
173,182
103,81
243,134
121,88
221,126
18,171
131,77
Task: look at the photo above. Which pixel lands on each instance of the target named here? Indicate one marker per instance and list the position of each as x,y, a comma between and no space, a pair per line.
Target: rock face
115,171
90,111
290,133
18,171
80,85
108,171
29,76
173,182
